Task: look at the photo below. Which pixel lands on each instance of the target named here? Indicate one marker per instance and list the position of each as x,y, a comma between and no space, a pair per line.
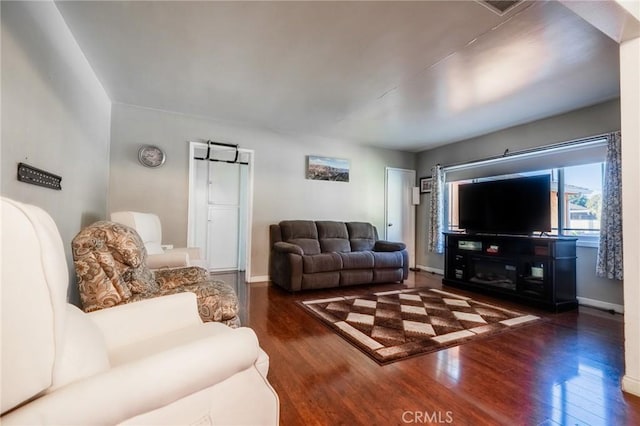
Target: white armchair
148,362
149,228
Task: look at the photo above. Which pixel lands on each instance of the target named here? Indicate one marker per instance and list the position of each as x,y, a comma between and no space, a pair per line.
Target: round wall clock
151,156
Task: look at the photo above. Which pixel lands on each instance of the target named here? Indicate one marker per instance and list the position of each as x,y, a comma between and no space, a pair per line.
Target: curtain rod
532,150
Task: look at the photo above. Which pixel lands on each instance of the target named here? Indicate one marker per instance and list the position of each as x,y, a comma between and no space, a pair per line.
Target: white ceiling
400,75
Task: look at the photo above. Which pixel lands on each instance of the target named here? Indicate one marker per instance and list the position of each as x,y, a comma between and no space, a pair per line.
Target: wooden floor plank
565,369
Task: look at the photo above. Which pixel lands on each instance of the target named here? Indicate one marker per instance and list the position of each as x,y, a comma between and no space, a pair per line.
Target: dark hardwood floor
565,370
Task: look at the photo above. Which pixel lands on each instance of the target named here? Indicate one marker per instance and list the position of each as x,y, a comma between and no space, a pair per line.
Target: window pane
583,199
452,221
554,202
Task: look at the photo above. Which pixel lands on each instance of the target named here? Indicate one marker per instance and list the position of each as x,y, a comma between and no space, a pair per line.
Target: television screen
509,206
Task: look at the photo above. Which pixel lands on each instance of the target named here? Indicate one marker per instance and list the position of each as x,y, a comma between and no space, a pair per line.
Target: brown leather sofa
309,254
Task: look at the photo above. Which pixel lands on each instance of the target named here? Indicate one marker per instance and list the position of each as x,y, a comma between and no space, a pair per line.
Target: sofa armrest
125,324
285,266
283,247
132,389
382,245
168,260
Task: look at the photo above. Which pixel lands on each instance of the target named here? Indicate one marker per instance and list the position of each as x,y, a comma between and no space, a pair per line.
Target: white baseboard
258,278
430,269
601,305
631,385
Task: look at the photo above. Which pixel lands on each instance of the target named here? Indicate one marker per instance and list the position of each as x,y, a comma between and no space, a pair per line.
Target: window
576,198
583,200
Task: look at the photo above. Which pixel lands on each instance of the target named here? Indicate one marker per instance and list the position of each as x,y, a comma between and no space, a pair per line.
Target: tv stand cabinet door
535,278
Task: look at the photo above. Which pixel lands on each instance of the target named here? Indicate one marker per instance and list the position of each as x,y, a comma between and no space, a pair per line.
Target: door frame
248,214
411,245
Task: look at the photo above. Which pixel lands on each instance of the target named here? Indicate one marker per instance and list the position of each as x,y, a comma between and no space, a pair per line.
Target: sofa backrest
362,235
302,233
326,236
46,342
110,262
147,225
33,303
333,237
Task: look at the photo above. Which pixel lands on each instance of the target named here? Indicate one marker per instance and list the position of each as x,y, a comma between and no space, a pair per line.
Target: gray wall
601,118
280,188
55,116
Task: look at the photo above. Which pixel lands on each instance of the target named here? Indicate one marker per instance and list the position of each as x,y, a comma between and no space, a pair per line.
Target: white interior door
219,207
400,213
223,230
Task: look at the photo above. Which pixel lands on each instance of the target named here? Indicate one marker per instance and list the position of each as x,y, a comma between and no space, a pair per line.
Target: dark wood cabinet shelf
536,270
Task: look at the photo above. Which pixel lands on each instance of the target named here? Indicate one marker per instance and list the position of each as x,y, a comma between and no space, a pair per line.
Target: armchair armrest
126,324
178,277
382,245
194,253
132,389
167,260
283,247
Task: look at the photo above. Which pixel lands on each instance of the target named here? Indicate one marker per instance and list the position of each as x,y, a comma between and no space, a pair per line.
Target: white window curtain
609,263
436,211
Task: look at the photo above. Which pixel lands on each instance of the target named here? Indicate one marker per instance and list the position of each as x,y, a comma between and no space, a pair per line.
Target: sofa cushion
387,259
335,245
324,262
294,229
357,260
302,233
333,236
362,235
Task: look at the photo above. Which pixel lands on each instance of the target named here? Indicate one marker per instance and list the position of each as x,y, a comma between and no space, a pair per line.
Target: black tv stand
540,271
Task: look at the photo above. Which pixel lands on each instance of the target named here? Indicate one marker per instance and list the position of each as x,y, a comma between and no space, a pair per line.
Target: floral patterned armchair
110,263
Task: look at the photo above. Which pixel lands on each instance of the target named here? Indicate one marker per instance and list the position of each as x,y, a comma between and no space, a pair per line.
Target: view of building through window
583,191
580,206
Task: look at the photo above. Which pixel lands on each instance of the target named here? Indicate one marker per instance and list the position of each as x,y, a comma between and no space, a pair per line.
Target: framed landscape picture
425,184
325,168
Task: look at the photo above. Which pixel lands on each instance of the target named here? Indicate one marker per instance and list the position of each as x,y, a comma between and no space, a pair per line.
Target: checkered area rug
393,325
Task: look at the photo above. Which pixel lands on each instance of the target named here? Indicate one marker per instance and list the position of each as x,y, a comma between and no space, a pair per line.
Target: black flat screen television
509,206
